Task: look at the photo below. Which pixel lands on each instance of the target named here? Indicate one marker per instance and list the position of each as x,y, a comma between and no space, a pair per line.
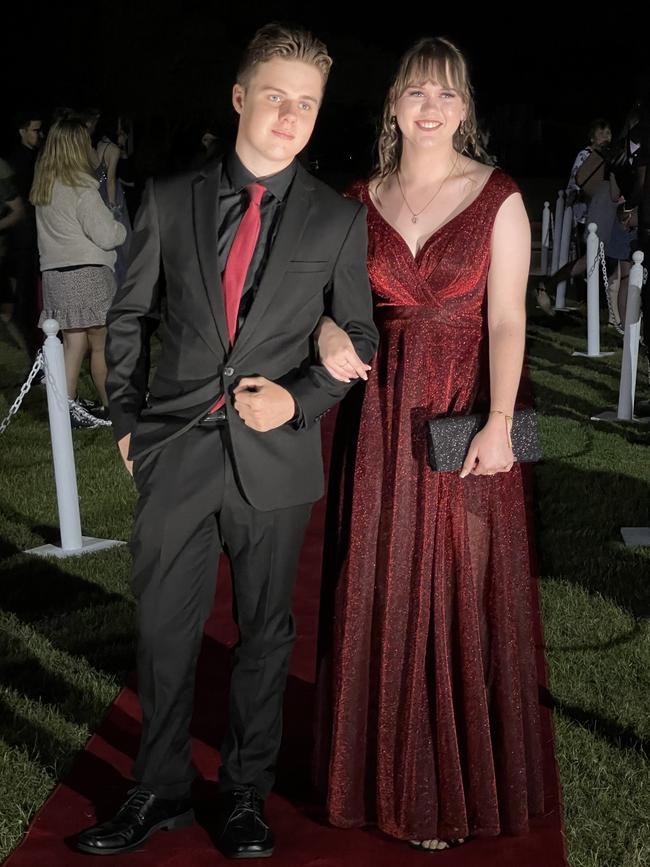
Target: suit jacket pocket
298,267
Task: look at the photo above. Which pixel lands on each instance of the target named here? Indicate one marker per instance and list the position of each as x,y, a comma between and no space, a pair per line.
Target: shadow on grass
26,671
549,401
579,516
34,587
61,612
615,734
43,744
628,637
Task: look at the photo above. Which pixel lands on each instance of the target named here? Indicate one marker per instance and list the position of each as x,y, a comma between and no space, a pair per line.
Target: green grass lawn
66,626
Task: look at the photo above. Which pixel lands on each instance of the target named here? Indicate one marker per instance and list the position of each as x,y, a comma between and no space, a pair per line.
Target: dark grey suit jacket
317,265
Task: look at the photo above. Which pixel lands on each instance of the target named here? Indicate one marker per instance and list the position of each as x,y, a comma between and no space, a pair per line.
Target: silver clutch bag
448,439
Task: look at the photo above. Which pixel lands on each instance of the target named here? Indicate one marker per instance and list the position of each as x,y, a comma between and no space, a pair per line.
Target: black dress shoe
137,819
243,832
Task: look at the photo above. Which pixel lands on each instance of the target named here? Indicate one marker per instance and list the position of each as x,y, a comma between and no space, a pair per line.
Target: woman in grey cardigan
77,237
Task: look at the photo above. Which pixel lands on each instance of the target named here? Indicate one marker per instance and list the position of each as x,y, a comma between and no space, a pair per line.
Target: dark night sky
177,60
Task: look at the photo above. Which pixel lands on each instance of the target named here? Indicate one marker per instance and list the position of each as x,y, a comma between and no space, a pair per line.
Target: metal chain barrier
596,260
39,364
610,306
641,337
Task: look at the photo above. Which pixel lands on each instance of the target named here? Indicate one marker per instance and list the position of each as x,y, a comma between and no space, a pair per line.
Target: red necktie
238,263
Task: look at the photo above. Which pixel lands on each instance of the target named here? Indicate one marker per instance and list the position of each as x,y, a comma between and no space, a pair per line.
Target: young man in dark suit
225,447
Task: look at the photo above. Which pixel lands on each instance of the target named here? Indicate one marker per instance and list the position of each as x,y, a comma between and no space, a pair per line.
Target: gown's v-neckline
435,232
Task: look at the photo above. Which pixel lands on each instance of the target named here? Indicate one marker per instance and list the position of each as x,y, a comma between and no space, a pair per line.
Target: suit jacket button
228,371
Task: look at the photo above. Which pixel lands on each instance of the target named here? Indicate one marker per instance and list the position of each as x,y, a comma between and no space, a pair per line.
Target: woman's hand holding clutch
490,451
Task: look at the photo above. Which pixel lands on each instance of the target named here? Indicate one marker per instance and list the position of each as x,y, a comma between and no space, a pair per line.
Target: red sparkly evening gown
428,721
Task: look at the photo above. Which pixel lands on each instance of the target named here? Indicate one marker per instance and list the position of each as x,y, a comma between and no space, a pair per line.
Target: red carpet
100,777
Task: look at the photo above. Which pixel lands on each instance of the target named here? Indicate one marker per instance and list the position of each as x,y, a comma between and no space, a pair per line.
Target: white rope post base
65,476
88,546
636,536
612,415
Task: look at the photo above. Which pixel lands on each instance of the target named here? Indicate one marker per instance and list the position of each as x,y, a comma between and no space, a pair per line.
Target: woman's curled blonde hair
65,157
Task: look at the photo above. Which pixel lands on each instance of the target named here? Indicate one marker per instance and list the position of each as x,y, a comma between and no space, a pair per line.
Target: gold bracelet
500,412
506,417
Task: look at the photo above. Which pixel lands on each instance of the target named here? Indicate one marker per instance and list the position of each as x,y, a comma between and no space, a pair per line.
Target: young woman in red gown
428,720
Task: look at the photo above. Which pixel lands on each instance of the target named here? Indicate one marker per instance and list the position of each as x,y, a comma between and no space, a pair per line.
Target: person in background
22,256
590,195
12,212
600,134
106,155
77,239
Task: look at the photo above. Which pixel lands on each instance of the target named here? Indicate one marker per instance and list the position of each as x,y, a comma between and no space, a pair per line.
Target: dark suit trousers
191,508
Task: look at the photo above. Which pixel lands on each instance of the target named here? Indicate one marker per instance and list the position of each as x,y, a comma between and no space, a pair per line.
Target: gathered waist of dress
420,312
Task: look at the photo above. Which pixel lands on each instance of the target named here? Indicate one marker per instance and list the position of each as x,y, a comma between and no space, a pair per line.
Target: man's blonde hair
285,41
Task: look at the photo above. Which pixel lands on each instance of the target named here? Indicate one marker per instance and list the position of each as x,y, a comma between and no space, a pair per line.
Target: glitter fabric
428,719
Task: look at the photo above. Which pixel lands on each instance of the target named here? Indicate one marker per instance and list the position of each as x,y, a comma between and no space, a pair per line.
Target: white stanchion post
559,216
565,243
546,237
593,296
633,536
593,292
630,359
65,476
629,362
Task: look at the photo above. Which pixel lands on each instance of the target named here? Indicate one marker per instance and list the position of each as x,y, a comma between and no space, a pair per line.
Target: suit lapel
205,203
288,237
